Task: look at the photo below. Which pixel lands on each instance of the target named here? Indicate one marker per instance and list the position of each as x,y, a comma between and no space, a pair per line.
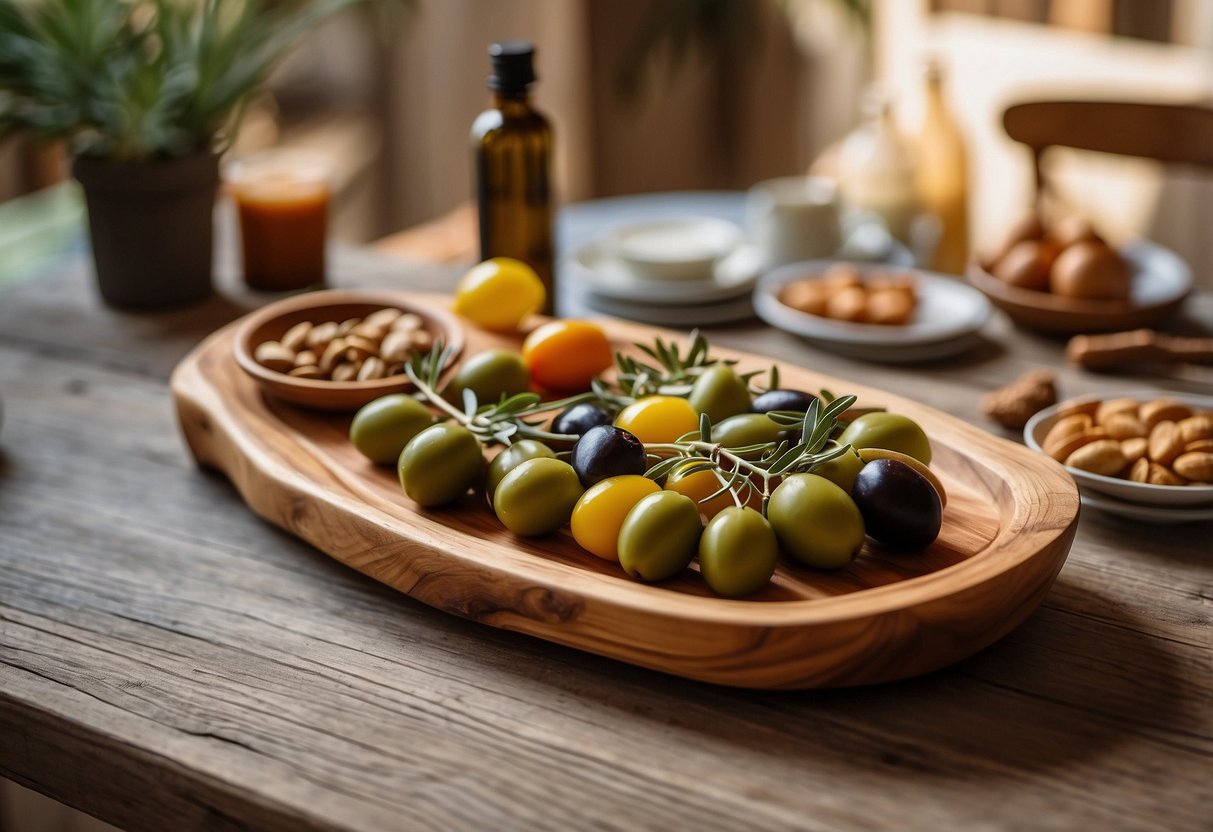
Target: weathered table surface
169,661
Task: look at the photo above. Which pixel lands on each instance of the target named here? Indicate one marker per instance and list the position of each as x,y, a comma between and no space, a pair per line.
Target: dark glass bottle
512,146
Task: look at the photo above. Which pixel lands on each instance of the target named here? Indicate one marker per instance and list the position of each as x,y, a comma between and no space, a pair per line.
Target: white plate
592,268
581,304
1127,490
678,248
911,353
1144,513
947,311
1159,275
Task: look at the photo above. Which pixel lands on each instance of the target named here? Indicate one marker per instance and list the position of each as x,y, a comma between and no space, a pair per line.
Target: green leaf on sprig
666,466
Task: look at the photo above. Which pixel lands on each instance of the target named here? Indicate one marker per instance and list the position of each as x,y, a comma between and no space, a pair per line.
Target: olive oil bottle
512,147
943,176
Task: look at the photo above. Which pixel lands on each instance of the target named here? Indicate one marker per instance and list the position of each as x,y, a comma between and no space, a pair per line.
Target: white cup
794,218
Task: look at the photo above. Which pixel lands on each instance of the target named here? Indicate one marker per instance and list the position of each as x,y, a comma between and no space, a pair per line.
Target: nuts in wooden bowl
338,349
356,349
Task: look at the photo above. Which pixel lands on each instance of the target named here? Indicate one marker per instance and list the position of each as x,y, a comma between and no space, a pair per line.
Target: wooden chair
1172,133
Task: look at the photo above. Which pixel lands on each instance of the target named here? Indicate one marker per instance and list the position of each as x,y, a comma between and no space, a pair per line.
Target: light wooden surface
1008,525
168,660
451,238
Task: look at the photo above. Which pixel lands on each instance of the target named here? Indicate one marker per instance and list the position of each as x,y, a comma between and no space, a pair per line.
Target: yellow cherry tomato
565,356
499,294
599,513
699,486
658,418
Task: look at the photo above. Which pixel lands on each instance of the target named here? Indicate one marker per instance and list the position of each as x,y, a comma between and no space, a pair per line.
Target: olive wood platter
1008,526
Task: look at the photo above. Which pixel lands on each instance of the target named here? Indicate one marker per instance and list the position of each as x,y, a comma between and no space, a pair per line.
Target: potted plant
148,94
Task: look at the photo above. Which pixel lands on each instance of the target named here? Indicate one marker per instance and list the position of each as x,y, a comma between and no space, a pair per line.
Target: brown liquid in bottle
512,146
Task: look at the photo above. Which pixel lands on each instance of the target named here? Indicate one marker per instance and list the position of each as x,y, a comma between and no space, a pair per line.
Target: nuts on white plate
1161,442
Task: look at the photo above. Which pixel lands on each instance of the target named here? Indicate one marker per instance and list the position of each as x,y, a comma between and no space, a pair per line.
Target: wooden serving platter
1008,526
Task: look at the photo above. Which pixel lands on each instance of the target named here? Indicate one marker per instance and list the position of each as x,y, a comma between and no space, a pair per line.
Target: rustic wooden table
167,660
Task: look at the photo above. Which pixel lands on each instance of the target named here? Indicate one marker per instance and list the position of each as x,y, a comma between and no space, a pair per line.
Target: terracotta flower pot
151,227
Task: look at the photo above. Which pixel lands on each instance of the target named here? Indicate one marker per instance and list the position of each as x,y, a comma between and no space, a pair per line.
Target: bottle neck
512,100
934,96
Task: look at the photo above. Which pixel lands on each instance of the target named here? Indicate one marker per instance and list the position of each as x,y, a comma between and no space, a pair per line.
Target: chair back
1171,133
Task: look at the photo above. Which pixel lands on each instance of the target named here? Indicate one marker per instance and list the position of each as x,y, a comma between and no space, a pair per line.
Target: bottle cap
513,65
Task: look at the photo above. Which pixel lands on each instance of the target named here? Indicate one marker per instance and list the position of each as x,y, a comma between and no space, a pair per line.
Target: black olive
607,451
782,400
579,418
900,507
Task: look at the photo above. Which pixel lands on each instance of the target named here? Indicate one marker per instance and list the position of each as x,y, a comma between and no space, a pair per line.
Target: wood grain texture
168,660
1006,532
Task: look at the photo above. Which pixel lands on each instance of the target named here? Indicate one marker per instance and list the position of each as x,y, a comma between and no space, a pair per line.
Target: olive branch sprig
736,469
671,373
509,419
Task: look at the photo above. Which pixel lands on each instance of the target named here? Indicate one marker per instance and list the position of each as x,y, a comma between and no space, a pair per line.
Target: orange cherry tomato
658,419
565,356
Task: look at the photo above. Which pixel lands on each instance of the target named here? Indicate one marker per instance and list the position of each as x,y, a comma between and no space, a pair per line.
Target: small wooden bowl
272,322
1160,282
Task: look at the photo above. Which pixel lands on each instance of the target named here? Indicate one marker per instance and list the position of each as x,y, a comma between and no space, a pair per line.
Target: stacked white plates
599,281
602,277
947,318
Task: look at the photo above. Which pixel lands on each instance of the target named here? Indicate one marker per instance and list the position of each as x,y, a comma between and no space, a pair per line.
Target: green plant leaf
128,79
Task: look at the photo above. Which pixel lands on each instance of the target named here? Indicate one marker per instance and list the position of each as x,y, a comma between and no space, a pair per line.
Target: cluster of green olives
654,529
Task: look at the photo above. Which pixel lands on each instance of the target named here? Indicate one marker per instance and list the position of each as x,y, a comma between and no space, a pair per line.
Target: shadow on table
1065,687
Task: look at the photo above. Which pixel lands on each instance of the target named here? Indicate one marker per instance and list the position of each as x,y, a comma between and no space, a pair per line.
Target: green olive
537,497
841,470
815,521
890,431
440,464
383,427
737,552
490,375
746,429
720,393
510,458
659,536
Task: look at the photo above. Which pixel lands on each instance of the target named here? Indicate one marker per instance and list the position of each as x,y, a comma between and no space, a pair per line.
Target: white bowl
1136,492
680,248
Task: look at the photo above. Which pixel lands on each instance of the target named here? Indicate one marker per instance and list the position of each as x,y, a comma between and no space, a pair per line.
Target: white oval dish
675,249
947,310
592,268
1158,515
1127,490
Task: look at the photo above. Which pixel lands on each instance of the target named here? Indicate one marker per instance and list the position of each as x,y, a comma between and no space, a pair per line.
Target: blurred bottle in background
943,177
876,169
512,149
